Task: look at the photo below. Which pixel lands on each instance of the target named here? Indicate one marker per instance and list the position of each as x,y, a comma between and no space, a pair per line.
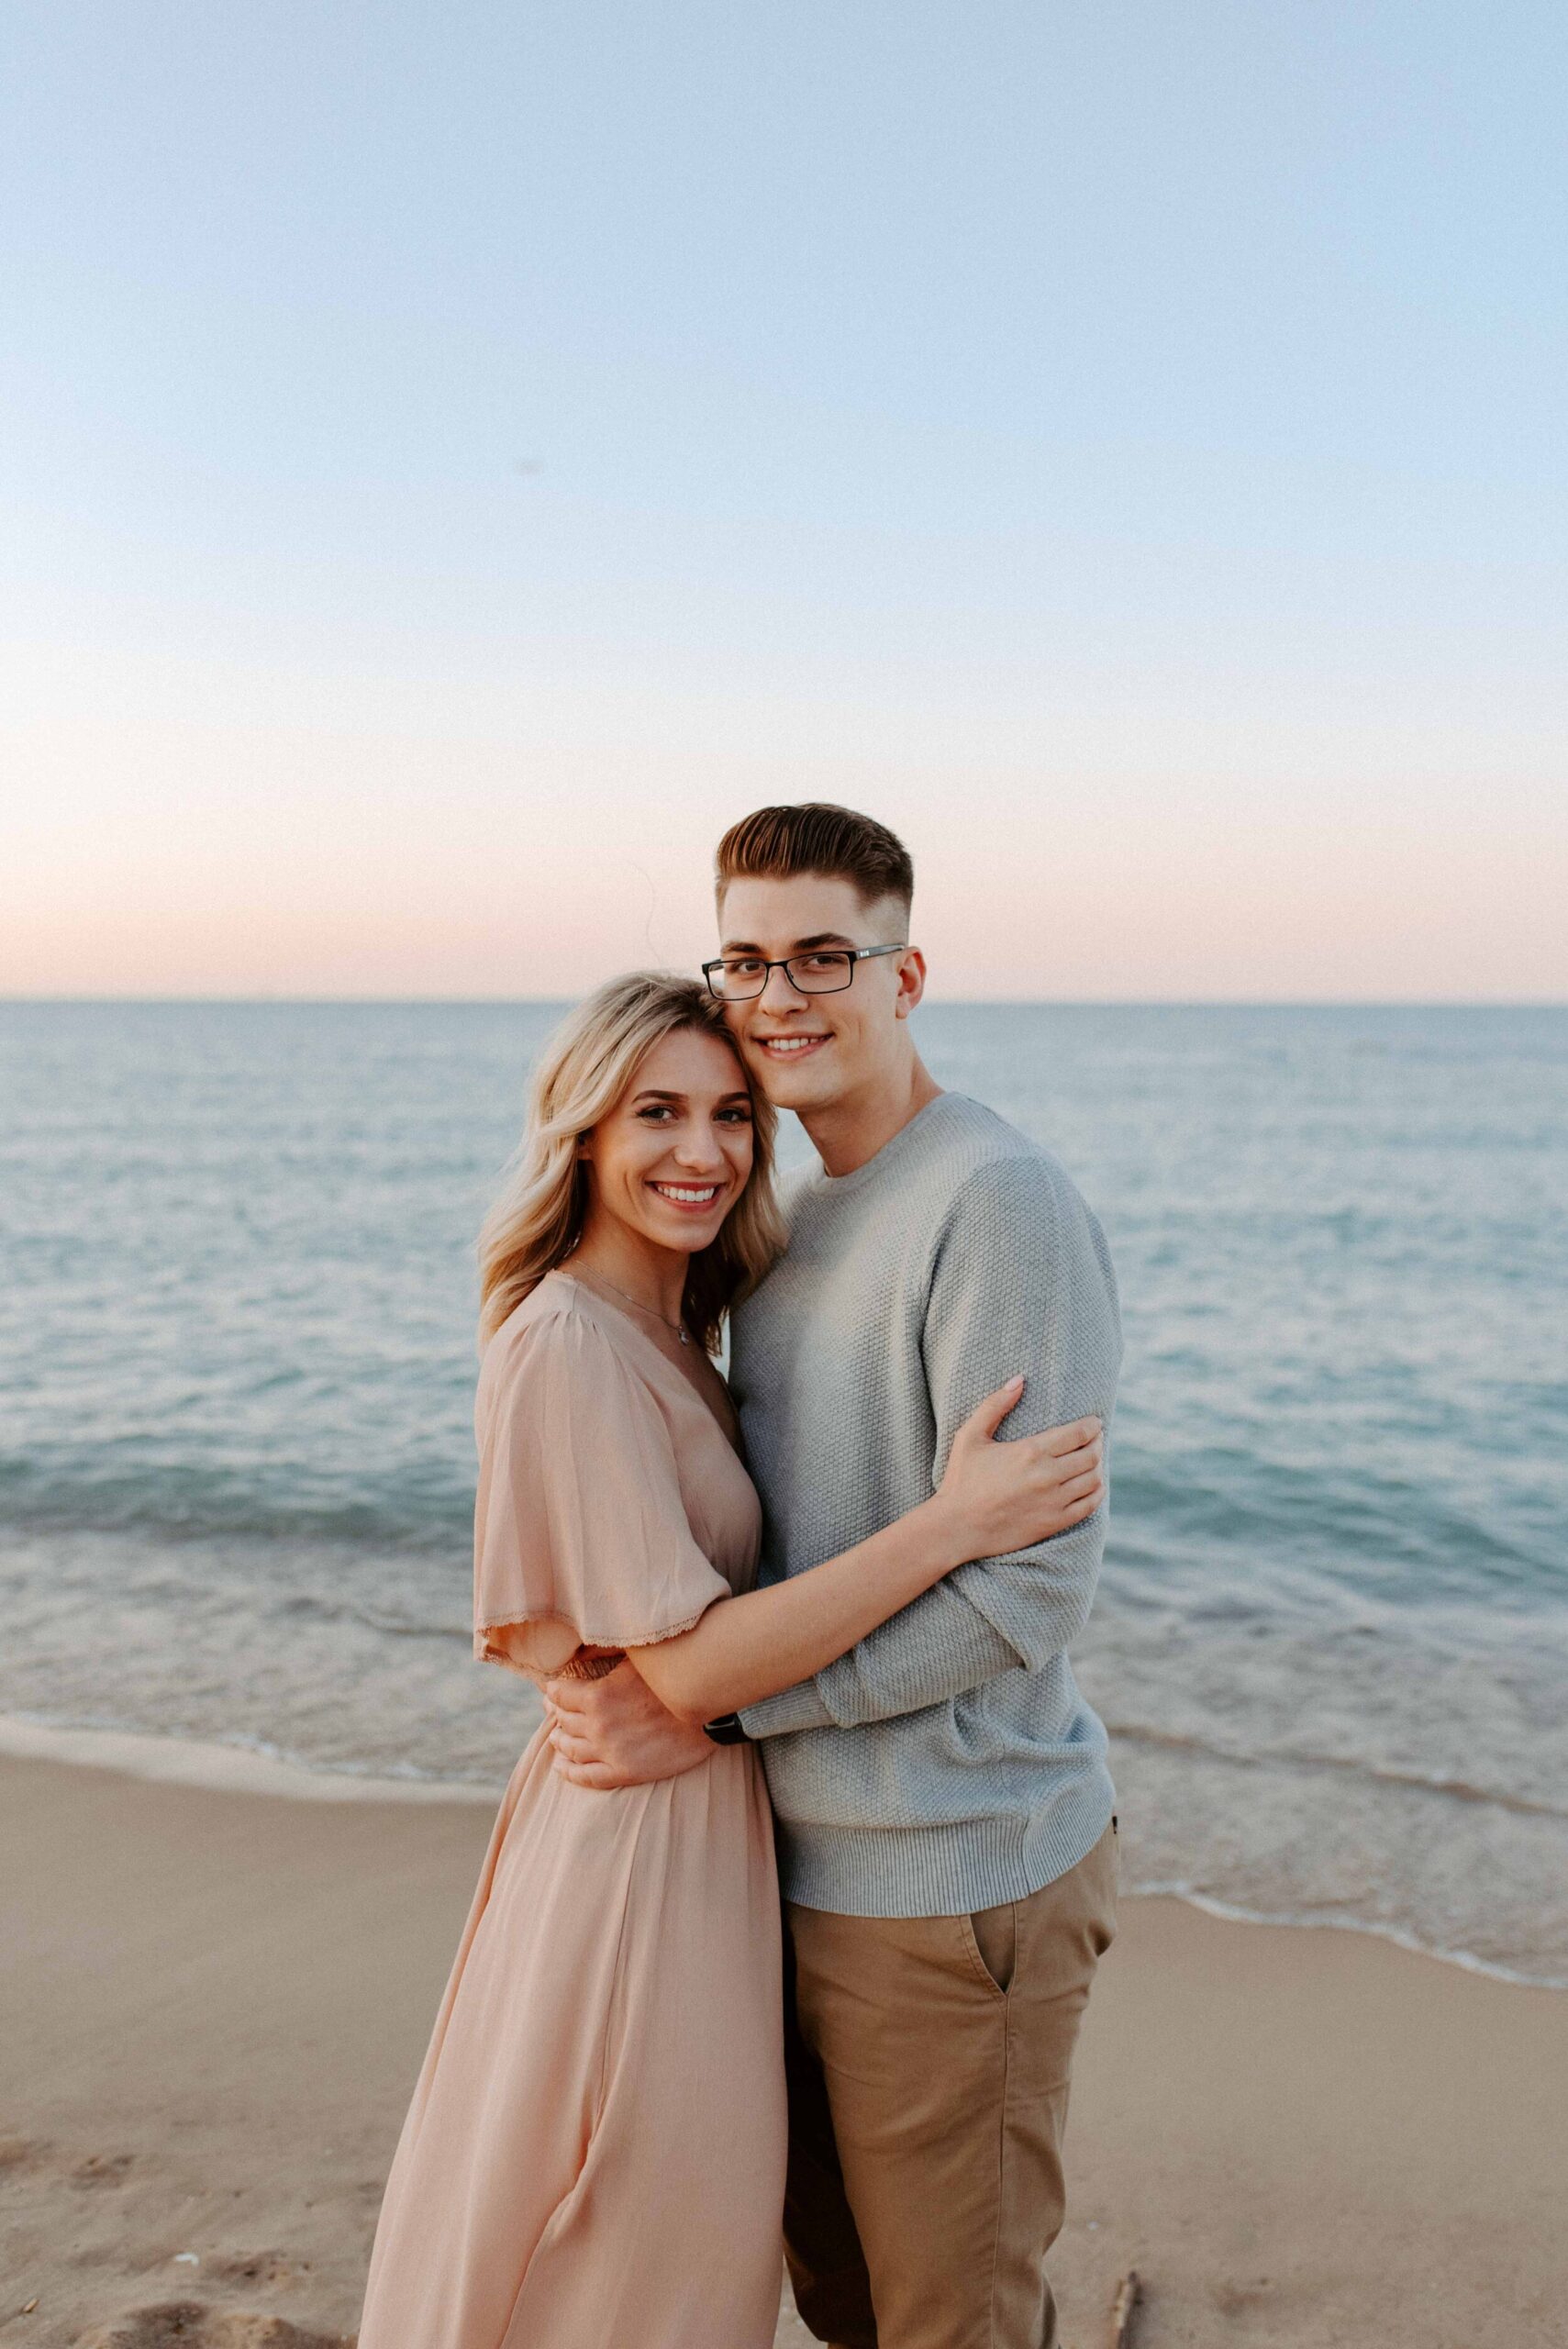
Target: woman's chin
688,1234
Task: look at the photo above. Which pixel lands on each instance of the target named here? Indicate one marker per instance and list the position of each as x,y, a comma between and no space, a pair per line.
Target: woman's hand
1002,1496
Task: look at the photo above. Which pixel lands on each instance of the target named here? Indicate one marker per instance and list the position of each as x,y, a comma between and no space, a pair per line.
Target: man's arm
615,1732
1022,1281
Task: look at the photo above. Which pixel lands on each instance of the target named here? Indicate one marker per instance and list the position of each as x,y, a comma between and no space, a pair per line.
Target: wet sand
215,2002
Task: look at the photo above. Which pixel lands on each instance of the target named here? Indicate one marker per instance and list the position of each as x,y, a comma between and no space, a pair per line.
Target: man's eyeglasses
826,969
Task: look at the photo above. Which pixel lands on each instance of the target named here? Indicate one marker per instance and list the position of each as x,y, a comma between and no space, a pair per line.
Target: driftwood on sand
1128,2293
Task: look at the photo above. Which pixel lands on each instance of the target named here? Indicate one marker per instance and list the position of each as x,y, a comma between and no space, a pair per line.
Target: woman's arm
994,1498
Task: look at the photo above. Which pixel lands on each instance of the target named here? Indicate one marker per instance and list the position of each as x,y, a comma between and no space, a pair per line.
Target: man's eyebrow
801,946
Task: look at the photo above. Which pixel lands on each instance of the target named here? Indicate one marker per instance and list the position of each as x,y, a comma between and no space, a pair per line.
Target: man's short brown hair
775,843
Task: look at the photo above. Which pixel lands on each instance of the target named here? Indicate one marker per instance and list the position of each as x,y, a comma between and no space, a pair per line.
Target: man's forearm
938,1648
996,1615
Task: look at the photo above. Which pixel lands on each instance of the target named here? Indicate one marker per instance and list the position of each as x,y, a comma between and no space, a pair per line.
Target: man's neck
848,1132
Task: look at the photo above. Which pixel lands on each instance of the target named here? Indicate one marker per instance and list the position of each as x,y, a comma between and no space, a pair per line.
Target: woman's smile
693,1196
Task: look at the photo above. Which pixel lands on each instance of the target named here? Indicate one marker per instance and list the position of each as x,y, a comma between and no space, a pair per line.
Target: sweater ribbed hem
949,1870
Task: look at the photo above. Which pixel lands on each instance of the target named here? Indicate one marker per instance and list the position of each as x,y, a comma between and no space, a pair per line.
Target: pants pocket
993,1935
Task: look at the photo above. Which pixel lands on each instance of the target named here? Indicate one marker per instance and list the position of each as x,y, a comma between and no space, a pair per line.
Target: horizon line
977,1002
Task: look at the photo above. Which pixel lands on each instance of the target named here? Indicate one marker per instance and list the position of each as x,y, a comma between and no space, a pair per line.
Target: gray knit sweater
948,1762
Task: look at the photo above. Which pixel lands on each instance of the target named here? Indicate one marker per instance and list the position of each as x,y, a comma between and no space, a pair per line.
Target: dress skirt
595,2153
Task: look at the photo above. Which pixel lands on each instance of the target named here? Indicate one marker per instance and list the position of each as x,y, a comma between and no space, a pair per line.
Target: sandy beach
215,2001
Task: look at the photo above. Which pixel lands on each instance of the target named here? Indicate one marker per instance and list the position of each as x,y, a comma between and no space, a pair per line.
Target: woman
594,2157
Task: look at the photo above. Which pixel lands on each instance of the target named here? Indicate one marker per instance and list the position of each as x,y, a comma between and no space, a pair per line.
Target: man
946,1841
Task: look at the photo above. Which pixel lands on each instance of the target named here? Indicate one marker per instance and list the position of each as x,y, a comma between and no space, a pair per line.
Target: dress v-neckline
688,1384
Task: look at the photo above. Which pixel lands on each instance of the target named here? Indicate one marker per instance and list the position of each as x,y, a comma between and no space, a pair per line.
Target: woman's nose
700,1152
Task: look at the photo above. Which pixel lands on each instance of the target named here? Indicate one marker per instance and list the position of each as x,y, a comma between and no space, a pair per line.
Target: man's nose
778,995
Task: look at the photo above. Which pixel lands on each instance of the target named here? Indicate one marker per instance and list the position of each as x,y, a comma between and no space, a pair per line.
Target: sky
458,459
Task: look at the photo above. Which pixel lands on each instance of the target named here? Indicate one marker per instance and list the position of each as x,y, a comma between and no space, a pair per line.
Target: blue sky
461,457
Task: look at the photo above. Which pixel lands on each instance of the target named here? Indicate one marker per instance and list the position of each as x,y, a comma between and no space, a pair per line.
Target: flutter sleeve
581,1535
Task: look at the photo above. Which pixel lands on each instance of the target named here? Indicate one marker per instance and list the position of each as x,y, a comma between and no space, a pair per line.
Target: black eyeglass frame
853,954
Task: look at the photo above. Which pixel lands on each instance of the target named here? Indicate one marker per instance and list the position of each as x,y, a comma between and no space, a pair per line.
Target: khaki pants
928,2062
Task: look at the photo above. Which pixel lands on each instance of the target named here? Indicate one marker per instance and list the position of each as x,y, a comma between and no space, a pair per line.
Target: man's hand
615,1732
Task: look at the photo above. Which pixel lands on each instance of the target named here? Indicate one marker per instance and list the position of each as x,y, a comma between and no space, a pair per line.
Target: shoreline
219,2001
214,1766
219,1767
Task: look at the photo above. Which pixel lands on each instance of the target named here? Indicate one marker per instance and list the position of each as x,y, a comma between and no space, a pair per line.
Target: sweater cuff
797,1707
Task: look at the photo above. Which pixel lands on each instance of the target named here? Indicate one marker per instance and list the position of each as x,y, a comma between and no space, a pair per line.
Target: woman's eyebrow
653,1093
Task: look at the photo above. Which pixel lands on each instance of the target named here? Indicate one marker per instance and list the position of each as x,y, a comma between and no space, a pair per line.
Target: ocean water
1331,1642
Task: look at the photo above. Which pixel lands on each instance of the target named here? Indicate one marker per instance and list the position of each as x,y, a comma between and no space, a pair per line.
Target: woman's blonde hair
582,1072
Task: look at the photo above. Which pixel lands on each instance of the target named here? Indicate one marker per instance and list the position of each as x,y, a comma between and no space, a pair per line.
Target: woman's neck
638,1268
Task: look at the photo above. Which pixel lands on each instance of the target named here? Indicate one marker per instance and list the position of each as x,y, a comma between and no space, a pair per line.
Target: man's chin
791,1088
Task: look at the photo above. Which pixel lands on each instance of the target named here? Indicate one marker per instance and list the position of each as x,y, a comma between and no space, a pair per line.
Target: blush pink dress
594,2154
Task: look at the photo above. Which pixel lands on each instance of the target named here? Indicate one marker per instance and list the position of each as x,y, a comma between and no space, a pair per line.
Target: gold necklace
653,1311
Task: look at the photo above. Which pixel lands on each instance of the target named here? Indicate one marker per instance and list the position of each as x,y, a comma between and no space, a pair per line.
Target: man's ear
911,983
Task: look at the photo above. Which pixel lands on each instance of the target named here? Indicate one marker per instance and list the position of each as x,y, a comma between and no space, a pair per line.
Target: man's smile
783,1047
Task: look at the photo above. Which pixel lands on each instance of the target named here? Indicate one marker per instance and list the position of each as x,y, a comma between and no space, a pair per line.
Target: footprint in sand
102,2169
251,2267
188,2324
